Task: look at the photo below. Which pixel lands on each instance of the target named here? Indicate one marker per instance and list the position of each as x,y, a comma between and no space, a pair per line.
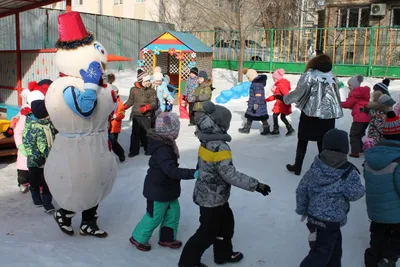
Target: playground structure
176,53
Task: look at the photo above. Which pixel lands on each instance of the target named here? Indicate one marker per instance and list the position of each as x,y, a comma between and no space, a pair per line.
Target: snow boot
48,206
386,263
354,155
91,228
122,158
275,131
141,247
132,155
266,130
296,168
235,257
64,221
37,199
173,244
246,128
290,130
24,188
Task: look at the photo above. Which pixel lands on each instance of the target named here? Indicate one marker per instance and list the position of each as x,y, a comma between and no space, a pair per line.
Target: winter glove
255,107
279,97
93,74
263,189
196,174
21,148
144,108
364,109
303,218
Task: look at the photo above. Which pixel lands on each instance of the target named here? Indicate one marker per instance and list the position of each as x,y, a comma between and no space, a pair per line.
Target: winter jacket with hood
382,182
191,85
164,95
377,114
257,106
140,96
118,116
357,99
38,137
281,87
163,179
216,170
317,92
202,93
18,131
328,187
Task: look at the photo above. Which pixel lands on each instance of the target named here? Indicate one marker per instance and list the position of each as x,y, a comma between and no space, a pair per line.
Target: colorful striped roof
180,41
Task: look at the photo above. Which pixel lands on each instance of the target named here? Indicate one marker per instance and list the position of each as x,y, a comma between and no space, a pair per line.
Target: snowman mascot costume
81,169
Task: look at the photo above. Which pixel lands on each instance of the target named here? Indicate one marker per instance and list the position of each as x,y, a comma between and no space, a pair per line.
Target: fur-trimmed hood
374,104
207,83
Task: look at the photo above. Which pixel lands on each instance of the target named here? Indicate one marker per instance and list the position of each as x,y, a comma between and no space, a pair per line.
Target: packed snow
267,229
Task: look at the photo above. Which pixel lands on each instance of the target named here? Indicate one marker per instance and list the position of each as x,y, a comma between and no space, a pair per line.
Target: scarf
333,159
168,141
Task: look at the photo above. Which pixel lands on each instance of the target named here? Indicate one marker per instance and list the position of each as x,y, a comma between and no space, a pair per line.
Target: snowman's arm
82,104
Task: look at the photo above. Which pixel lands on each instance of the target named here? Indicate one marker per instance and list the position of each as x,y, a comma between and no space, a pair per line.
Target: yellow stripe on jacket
210,156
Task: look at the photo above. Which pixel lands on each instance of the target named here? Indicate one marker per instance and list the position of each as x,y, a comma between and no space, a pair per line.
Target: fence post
371,51
271,48
119,42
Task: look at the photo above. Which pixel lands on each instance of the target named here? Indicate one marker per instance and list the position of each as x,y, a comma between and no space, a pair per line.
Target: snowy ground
268,231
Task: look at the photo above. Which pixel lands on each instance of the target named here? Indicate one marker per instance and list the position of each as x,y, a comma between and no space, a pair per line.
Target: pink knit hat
278,74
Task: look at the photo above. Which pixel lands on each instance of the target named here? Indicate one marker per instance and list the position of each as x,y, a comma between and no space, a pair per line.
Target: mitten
279,97
21,148
145,108
255,107
303,218
93,74
196,174
263,189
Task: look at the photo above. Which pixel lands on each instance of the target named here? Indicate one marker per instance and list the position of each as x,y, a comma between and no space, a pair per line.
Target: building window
396,17
118,2
218,3
353,17
140,1
78,2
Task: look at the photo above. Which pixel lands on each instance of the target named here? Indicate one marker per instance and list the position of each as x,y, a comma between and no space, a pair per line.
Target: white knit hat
157,76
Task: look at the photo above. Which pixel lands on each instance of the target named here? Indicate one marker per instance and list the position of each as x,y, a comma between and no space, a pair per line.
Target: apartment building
361,13
134,9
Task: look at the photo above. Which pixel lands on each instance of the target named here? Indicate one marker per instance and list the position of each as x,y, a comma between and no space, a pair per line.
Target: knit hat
250,74
194,71
383,86
203,74
221,115
336,140
144,77
39,109
391,126
157,76
157,69
386,101
355,82
278,74
138,72
168,125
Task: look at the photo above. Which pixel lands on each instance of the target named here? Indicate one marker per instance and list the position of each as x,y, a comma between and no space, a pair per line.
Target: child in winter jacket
256,106
202,92
382,184
281,87
188,94
162,186
377,108
116,121
383,87
38,137
324,195
358,98
212,190
163,95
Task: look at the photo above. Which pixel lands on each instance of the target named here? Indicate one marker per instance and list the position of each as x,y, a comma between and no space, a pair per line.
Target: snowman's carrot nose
111,58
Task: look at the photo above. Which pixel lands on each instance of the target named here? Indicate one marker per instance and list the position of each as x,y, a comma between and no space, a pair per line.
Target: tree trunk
242,46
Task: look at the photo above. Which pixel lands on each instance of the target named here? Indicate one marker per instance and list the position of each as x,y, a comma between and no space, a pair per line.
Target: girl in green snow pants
162,186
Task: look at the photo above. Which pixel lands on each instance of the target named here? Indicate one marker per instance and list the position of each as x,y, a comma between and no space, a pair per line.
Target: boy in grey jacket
324,195
212,190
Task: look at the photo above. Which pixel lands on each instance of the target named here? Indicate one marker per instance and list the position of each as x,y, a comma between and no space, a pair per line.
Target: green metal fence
373,51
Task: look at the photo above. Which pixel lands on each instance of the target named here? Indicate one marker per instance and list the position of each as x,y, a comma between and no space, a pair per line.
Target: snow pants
116,147
39,190
357,131
325,244
140,125
384,243
192,113
165,213
23,177
216,228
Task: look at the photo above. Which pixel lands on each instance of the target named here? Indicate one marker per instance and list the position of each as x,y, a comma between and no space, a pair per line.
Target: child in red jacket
357,99
281,87
116,122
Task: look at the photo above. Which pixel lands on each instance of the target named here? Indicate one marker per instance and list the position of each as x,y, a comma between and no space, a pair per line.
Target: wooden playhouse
176,53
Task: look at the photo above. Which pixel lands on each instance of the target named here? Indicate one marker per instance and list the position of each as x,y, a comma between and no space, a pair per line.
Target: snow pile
268,231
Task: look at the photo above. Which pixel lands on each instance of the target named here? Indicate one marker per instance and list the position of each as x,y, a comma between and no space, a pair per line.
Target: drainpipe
100,5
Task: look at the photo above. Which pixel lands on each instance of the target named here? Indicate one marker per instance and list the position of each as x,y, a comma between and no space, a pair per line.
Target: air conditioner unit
378,9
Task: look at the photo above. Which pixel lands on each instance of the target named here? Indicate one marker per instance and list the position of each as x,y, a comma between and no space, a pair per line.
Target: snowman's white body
81,168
